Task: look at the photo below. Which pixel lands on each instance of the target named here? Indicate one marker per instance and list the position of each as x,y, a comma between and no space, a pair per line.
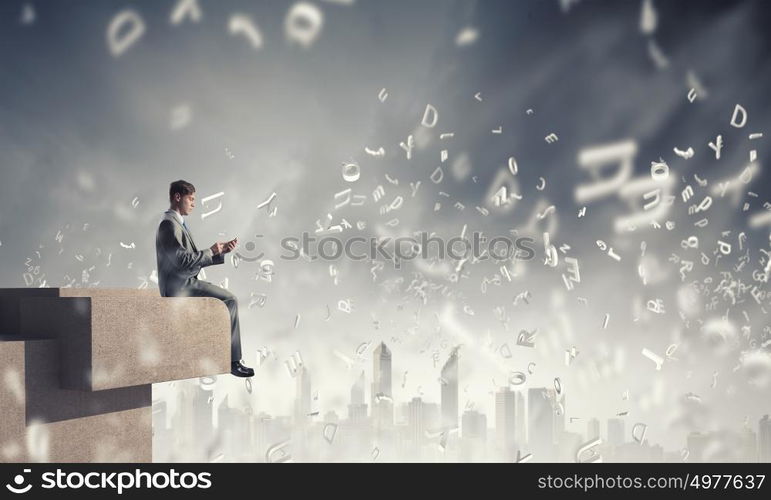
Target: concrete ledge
123,340
76,367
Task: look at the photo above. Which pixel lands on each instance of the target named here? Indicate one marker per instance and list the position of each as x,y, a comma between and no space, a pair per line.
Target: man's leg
206,289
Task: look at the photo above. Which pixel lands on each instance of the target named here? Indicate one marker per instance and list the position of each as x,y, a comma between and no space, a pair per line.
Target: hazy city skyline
425,427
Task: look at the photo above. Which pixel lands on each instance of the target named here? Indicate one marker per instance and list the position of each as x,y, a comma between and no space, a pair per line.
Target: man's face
187,204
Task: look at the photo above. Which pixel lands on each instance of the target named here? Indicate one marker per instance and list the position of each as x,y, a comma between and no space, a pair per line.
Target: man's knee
230,300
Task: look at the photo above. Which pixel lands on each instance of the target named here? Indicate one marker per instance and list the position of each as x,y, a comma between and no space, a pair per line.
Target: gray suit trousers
198,288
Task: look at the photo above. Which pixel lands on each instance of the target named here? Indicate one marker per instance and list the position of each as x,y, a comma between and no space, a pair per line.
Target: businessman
180,261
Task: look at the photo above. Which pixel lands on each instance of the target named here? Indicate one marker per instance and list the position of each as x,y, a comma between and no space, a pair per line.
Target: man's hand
217,248
230,245
226,247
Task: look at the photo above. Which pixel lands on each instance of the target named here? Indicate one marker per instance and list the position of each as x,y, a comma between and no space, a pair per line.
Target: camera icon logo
19,480
250,246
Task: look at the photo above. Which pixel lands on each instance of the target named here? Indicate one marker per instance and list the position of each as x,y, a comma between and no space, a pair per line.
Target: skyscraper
505,420
749,446
540,424
261,434
474,425
226,436
357,410
764,439
159,416
615,432
592,429
474,435
432,416
382,402
203,420
558,409
161,441
697,443
449,387
415,421
302,405
520,419
233,433
357,390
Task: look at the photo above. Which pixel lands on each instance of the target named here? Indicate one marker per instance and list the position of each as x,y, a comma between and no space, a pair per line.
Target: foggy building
415,421
302,406
764,439
382,402
592,429
357,410
505,420
615,432
540,428
449,391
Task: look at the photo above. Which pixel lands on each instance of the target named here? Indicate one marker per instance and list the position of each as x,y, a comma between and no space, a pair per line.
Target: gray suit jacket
179,260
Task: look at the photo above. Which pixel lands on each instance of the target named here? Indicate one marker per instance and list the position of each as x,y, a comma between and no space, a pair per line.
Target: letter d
739,109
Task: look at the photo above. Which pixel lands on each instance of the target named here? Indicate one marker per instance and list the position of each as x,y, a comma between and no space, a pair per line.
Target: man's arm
187,260
217,259
228,247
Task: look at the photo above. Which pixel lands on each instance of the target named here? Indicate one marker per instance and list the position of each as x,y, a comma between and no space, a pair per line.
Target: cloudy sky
231,100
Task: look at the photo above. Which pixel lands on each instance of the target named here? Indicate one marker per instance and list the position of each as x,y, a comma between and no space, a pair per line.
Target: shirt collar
177,216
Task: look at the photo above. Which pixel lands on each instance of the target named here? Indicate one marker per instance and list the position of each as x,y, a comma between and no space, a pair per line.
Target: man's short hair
181,187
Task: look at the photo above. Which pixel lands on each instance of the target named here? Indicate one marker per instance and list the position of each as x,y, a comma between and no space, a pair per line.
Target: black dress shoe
239,370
